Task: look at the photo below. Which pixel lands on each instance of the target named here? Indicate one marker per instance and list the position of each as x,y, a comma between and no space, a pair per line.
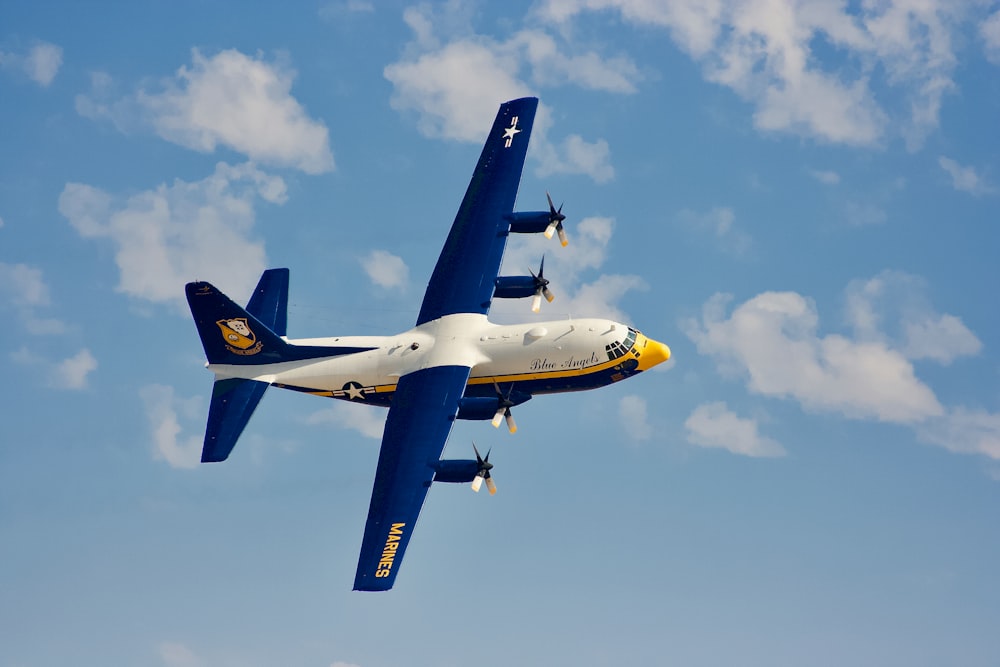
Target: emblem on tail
239,337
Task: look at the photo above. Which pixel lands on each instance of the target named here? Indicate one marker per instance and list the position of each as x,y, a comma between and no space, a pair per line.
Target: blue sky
801,199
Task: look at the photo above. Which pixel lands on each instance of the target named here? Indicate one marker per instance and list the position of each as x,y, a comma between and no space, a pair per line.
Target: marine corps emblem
239,338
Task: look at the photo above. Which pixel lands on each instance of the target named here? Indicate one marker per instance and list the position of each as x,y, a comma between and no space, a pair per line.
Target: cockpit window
620,348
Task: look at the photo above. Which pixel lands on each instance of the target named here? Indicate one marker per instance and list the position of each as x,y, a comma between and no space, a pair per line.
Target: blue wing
466,271
425,402
423,410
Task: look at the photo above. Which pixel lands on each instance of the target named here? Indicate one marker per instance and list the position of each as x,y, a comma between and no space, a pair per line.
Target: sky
801,199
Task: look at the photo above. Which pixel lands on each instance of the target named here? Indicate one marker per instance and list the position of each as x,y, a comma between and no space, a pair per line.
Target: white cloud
964,179
181,232
40,64
865,213
632,411
989,31
229,99
44,61
772,341
456,88
24,288
575,156
566,269
72,373
177,655
965,431
23,285
162,409
551,66
766,52
825,177
332,11
891,309
715,425
942,339
720,223
385,269
367,420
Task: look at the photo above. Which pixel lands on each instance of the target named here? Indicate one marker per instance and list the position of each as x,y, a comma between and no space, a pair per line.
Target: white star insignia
508,134
354,391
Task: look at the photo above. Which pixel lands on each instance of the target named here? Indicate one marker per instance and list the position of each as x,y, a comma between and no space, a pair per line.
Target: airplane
453,364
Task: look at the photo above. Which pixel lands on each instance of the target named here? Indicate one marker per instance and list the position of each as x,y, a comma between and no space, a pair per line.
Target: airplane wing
426,401
419,420
466,271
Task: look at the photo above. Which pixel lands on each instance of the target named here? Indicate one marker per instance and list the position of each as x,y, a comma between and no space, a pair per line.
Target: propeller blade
547,293
477,483
511,426
562,236
491,485
550,230
536,301
499,415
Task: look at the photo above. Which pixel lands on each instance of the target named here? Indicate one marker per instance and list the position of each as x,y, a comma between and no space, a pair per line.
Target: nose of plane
652,353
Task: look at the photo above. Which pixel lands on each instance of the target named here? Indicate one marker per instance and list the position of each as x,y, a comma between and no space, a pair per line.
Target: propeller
503,409
483,474
556,218
541,288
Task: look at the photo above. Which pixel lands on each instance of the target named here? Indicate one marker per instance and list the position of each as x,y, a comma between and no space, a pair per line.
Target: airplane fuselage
530,358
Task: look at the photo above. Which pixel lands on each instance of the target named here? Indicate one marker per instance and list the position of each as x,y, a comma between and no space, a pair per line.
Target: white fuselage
531,354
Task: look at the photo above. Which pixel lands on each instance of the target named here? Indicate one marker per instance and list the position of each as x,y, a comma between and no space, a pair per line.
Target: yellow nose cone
651,353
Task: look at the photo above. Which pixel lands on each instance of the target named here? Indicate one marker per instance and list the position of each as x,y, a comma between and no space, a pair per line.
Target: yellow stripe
514,377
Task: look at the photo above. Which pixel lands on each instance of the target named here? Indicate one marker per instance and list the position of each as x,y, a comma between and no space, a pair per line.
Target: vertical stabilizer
233,399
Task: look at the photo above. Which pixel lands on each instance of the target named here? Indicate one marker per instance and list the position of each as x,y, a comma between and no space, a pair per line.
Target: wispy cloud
456,83
965,179
23,289
764,52
175,233
385,269
367,420
714,425
174,654
163,413
892,309
772,342
40,63
72,373
568,270
825,177
720,224
989,31
632,411
228,99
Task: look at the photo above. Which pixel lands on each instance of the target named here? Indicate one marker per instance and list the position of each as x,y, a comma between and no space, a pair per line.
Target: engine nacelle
457,471
482,408
515,287
529,222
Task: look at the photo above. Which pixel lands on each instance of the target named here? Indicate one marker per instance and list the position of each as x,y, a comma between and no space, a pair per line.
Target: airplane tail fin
227,331
233,335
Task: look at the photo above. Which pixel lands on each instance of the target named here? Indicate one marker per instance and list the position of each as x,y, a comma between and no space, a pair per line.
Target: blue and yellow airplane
453,364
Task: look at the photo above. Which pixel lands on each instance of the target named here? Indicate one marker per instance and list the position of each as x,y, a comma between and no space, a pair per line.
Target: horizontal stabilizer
233,401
